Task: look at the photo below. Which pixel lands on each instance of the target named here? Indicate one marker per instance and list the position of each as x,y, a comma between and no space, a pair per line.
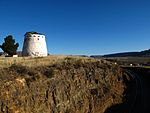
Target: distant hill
144,53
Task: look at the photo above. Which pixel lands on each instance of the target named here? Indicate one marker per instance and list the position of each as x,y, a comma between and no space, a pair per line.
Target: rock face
34,45
71,86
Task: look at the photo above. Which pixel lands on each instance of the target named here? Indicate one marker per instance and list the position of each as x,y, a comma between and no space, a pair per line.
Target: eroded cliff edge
72,85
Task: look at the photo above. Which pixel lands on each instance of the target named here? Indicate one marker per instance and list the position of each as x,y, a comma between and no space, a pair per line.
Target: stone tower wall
34,45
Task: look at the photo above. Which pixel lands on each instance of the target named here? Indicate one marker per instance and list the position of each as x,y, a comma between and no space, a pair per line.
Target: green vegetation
9,45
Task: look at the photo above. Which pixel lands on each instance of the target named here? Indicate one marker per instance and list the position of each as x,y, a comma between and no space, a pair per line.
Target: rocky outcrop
71,86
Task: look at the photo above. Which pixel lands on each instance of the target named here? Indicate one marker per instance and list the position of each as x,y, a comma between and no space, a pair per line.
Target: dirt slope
73,85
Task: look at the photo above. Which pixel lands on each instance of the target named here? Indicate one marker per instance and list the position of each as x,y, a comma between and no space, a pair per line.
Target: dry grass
59,84
37,61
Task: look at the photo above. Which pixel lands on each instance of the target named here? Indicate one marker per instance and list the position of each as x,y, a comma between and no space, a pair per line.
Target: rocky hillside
68,85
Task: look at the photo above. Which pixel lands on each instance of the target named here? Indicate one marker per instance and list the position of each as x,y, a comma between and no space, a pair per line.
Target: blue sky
79,26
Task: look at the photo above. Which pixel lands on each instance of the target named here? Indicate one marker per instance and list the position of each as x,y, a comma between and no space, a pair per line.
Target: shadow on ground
125,106
119,108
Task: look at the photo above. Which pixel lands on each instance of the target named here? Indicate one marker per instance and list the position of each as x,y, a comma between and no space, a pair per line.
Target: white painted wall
34,45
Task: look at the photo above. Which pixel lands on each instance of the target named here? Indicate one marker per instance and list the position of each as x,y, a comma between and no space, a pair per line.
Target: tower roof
32,32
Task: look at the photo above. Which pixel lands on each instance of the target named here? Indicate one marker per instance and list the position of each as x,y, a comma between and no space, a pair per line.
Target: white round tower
34,45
